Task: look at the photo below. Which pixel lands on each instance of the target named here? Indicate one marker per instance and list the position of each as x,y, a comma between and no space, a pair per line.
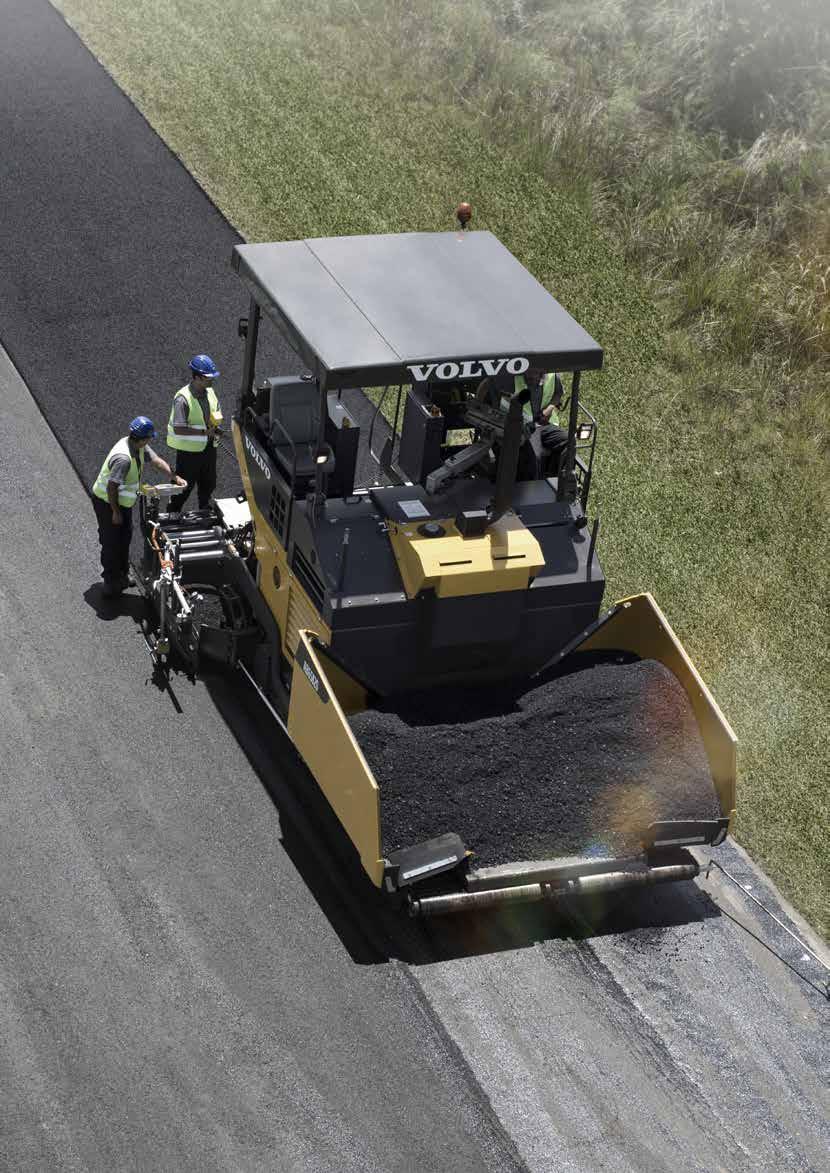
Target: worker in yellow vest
540,394
544,400
192,429
113,495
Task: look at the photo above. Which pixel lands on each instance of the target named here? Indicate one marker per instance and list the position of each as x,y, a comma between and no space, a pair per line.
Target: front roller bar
532,893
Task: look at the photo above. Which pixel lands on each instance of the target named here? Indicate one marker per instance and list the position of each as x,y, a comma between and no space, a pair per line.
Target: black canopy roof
362,310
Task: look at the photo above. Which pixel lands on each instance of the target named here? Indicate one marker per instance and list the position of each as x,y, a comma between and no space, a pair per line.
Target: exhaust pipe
533,893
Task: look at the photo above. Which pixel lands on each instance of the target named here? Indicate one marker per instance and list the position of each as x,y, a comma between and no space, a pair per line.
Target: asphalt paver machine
397,620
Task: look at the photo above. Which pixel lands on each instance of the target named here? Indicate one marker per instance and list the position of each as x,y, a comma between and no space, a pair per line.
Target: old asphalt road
190,977
171,995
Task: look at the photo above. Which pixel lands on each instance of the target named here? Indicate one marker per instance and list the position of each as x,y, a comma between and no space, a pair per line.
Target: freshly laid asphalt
674,1036
190,976
115,265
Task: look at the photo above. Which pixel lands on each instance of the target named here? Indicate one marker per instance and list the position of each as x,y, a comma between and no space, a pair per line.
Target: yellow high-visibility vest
195,419
127,492
548,389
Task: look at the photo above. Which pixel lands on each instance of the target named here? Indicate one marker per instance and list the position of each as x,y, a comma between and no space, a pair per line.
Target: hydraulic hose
165,563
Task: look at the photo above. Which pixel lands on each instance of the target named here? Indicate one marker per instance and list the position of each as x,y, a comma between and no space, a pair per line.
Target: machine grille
277,511
309,578
300,614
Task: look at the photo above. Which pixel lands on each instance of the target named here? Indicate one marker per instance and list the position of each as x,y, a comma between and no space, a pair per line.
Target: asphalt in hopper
578,764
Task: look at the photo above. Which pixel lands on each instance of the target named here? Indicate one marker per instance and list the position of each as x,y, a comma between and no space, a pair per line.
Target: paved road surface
190,977
672,1039
171,995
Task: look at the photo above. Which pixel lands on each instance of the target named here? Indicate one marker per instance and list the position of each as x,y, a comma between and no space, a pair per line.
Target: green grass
315,118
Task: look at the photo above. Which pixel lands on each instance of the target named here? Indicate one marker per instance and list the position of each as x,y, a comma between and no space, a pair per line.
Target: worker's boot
112,588
128,580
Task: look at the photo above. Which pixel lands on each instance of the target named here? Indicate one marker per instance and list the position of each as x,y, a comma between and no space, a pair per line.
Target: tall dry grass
699,133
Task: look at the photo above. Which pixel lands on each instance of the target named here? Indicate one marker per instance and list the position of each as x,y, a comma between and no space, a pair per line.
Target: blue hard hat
203,364
142,428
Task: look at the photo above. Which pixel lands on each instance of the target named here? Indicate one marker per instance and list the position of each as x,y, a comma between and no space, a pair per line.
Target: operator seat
294,416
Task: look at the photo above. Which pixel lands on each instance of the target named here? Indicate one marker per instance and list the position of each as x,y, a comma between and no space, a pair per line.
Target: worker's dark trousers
554,441
541,453
114,539
199,469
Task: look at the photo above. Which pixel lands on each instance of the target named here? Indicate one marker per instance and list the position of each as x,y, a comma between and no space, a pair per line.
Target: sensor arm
456,465
508,459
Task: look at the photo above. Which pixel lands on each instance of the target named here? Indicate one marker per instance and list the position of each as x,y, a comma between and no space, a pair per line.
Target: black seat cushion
305,458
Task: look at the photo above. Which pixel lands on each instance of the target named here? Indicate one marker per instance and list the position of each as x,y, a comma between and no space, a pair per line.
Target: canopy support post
246,393
566,489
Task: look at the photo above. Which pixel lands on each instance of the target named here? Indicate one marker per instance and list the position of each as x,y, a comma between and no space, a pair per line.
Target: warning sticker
414,509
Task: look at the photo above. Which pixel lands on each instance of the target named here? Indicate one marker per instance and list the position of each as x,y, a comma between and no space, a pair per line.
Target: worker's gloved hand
117,519
177,480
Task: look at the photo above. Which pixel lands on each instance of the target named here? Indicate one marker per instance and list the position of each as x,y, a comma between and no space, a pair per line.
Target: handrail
395,424
592,444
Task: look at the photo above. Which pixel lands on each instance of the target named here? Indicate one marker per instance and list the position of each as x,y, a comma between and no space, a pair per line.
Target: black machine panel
421,436
394,643
417,643
534,502
355,554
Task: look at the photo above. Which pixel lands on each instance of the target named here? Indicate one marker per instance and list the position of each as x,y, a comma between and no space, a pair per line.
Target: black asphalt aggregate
189,979
577,764
114,265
